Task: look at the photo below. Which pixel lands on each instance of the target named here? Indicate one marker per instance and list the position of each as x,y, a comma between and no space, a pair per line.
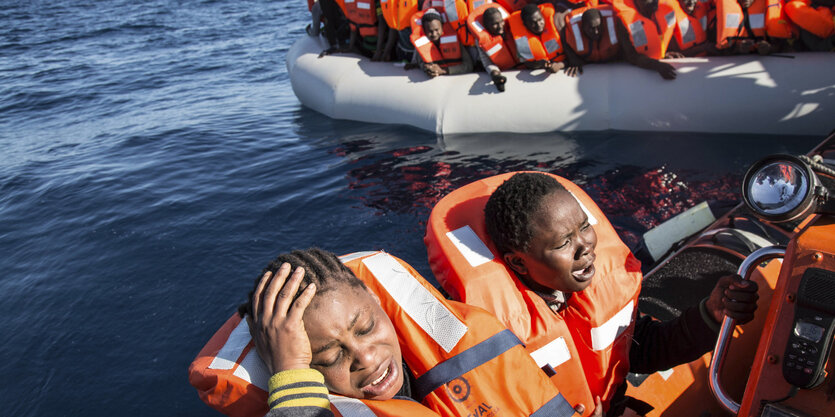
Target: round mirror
778,188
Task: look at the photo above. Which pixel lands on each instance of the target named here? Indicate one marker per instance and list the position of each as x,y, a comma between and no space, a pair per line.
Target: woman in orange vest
535,31
546,261
368,329
815,19
495,46
645,28
437,49
589,36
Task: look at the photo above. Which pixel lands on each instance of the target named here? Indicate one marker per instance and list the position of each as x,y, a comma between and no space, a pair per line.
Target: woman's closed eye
366,329
333,360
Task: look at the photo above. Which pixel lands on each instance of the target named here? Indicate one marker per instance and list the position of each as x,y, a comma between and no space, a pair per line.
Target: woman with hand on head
389,340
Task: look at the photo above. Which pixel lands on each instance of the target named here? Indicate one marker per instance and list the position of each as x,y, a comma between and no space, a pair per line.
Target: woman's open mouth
382,381
584,274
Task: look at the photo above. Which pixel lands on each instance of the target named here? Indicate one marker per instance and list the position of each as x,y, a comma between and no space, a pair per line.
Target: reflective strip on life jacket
501,54
650,37
730,25
530,47
554,354
447,53
603,336
350,406
608,46
435,319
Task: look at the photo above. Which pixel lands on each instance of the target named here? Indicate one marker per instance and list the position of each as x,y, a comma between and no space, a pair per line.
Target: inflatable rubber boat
784,94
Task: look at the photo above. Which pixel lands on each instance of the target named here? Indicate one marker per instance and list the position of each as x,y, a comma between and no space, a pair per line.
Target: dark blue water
154,158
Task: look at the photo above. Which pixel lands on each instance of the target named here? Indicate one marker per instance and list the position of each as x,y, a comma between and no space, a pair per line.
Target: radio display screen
808,331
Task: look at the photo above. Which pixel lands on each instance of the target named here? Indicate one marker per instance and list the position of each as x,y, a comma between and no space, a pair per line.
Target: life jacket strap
464,362
557,406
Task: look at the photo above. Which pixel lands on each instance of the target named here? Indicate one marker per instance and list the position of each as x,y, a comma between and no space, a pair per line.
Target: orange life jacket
817,21
398,12
449,52
455,12
650,36
587,343
765,17
530,47
457,353
603,50
503,54
692,30
361,14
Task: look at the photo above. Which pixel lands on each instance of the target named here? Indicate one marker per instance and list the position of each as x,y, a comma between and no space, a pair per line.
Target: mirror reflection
778,187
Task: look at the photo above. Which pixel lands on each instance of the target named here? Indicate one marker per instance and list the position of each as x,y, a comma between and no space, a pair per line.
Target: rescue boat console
792,369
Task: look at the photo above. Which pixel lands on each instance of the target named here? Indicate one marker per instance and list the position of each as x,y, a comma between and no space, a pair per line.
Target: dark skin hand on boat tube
647,8
535,22
494,24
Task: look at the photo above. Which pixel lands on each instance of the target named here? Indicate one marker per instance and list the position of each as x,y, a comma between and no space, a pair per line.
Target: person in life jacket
437,49
377,334
536,33
645,28
589,36
455,12
365,21
397,15
546,261
691,35
496,49
745,26
333,23
816,22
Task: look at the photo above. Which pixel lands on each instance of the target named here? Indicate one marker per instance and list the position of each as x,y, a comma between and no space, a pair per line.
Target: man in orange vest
649,10
591,40
535,22
494,24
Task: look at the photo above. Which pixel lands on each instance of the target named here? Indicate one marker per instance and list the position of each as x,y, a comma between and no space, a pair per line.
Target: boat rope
816,162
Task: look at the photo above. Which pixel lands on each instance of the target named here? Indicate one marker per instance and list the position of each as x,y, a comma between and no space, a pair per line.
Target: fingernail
285,265
743,284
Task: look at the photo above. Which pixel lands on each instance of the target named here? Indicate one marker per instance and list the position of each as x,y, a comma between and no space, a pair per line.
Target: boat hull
737,94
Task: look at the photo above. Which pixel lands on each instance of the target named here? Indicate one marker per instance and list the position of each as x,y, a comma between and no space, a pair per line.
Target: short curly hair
509,209
320,267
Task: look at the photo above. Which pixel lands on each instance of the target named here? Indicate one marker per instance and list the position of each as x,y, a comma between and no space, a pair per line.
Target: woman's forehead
558,210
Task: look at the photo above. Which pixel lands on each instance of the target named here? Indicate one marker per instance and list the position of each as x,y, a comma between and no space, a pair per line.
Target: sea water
154,158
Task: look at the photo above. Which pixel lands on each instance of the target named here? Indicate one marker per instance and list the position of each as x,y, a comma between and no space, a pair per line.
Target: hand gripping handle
717,360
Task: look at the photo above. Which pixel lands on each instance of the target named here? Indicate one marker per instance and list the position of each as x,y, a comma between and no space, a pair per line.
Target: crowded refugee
447,37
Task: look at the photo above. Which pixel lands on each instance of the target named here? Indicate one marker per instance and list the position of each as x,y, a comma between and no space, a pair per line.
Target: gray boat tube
793,94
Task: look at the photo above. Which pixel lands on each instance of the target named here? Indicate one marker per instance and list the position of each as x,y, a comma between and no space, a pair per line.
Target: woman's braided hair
320,267
509,209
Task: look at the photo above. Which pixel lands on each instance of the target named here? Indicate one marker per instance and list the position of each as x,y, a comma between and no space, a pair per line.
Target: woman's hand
276,323
734,297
